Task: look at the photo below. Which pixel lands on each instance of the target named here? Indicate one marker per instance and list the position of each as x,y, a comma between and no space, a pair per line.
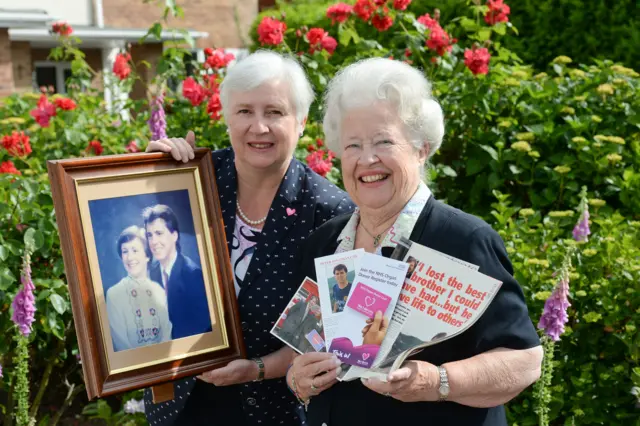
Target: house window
51,74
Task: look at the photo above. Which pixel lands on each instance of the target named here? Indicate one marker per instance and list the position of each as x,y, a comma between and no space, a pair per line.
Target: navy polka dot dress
304,201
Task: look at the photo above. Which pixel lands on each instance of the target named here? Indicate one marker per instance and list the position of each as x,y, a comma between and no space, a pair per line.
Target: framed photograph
148,268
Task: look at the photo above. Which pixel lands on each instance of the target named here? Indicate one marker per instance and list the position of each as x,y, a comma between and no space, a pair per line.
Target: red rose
7,167
364,9
379,2
339,12
65,104
329,44
17,144
210,85
319,142
62,28
314,37
382,22
477,60
132,147
498,12
271,31
208,51
43,111
401,4
439,40
214,107
311,148
218,59
121,66
95,146
428,21
318,164
192,91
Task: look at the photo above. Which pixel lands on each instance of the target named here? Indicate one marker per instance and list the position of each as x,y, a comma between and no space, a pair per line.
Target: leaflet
335,275
365,318
441,297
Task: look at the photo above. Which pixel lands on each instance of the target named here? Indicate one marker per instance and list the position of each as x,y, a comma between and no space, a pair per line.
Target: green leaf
468,24
492,152
33,238
484,34
448,171
474,165
58,302
558,69
515,169
188,38
6,278
500,28
4,253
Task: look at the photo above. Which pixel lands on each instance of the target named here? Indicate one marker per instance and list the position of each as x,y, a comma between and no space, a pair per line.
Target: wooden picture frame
132,338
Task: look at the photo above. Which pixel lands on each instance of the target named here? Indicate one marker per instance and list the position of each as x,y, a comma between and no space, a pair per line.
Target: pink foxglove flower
157,122
24,306
581,231
554,316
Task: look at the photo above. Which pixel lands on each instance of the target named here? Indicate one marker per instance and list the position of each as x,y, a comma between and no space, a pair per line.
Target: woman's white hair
379,79
263,66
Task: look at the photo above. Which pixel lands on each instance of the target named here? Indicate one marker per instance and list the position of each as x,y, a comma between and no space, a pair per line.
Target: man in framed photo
178,274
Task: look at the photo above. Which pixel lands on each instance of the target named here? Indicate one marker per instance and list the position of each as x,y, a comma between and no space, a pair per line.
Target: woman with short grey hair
270,202
383,123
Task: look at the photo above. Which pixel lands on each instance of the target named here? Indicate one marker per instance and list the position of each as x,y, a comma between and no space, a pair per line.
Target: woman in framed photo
136,305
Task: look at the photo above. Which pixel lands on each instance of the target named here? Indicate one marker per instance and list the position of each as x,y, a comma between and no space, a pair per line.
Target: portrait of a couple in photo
150,268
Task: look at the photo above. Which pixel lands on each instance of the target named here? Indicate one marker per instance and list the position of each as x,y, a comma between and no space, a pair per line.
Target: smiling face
380,166
263,126
162,241
134,258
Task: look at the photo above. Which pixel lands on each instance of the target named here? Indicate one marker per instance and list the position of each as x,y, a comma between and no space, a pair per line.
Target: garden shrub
519,148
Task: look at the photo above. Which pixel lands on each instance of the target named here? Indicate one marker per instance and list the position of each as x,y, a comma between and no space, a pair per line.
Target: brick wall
217,17
150,53
6,64
22,66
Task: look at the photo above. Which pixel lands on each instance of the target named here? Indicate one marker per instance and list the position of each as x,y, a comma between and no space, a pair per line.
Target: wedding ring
387,394
313,387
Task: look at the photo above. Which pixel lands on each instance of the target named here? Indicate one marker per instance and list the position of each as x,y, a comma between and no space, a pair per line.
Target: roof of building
96,34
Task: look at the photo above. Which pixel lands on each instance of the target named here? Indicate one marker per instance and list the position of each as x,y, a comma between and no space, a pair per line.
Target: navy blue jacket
304,201
187,298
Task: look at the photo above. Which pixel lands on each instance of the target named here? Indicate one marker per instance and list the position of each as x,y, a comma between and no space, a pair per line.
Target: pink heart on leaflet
365,356
290,211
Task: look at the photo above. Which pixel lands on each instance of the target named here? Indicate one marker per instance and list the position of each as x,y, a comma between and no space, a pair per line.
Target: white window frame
60,68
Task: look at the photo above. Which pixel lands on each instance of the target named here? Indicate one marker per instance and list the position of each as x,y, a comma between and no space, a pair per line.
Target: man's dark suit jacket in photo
305,200
187,298
297,325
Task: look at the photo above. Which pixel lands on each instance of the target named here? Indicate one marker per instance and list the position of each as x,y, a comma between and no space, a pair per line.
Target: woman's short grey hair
379,79
263,66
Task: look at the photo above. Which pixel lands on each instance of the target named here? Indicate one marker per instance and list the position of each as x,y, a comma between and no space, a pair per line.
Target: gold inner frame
166,180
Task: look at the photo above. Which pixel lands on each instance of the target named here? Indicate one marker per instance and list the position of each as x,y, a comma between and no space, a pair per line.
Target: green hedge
583,29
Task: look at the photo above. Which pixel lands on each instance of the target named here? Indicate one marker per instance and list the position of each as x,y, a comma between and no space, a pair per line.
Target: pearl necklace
246,219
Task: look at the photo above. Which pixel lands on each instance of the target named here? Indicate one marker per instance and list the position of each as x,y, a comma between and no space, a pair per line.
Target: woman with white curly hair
384,124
